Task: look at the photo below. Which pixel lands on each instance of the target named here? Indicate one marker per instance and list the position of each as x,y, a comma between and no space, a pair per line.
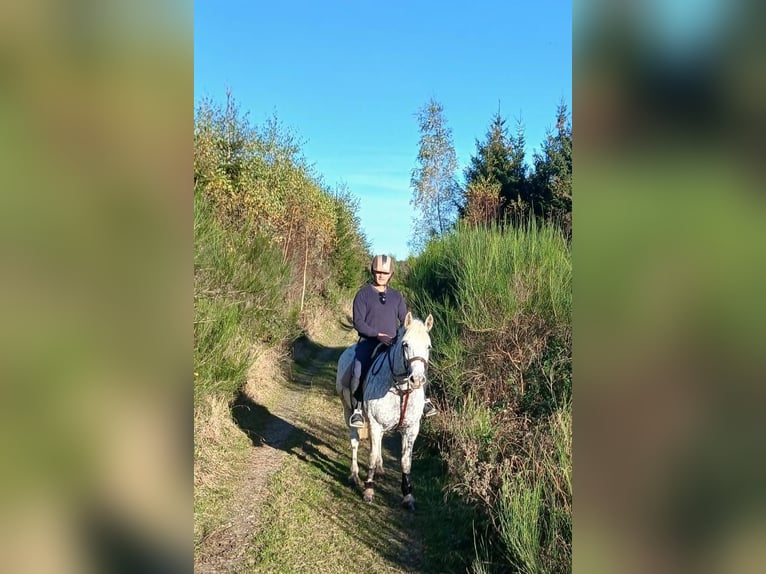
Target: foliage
435,191
258,183
349,254
499,167
501,188
482,202
552,180
239,280
501,370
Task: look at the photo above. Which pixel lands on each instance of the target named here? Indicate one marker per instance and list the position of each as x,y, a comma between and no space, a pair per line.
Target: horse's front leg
408,440
376,440
354,477
353,435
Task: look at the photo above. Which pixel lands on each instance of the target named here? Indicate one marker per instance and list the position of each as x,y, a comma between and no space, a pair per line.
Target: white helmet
382,263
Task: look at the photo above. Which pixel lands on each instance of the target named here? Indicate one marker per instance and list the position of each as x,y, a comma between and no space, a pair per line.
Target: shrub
501,366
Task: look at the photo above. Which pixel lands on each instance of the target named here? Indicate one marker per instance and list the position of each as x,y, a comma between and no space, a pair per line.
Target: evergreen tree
435,192
552,179
499,162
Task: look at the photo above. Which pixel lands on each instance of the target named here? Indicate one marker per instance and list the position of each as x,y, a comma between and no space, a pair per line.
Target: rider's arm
360,311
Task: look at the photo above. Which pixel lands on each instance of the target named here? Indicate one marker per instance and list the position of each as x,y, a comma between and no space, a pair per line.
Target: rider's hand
385,339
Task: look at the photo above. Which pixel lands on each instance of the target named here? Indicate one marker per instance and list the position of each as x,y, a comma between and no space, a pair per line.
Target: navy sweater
372,317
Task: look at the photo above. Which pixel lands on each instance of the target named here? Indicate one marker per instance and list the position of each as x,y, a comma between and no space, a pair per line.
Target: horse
393,400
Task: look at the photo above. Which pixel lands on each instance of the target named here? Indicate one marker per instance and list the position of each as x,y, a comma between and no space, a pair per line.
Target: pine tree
435,192
499,162
552,180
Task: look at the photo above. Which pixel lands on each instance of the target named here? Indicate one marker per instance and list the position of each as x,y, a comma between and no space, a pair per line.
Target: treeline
499,186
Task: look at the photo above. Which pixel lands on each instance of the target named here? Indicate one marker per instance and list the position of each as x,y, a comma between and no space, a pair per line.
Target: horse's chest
393,408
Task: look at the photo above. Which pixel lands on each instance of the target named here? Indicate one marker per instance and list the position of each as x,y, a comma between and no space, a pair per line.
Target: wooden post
305,266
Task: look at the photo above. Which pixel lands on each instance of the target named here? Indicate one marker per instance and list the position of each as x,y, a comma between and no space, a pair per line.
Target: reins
405,400
404,394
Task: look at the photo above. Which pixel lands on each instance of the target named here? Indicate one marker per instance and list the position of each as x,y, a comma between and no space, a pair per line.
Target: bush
501,365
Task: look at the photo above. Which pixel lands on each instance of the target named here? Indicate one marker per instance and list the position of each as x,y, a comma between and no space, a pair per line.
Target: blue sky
349,76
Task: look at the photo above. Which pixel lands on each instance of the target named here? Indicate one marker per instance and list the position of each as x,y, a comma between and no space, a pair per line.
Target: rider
378,310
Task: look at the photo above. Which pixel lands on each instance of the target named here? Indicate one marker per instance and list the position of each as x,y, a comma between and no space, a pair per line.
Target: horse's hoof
368,496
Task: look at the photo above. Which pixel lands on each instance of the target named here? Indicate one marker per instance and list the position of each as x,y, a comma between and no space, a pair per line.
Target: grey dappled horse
393,400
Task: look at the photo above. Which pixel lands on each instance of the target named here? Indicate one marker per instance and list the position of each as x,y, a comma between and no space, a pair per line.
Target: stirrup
429,409
356,419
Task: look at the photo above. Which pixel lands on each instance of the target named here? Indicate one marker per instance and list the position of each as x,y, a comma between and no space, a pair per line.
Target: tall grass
240,281
503,294
534,512
272,242
501,299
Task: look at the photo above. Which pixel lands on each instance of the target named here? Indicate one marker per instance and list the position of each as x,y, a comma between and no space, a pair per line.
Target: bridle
406,376
403,383
403,377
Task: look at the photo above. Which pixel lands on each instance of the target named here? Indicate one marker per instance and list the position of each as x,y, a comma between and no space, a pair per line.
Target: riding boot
356,419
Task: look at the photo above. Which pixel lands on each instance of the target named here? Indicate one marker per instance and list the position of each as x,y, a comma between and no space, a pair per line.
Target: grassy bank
261,215
502,374
239,321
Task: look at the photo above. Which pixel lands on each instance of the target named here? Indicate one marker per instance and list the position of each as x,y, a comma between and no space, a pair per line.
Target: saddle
379,349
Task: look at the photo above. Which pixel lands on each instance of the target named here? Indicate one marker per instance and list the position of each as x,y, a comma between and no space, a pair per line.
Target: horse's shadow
264,428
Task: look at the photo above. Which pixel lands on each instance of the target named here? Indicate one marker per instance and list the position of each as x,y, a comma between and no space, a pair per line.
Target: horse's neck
396,357
383,375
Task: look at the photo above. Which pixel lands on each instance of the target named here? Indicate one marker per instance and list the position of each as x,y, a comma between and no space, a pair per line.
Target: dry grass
214,433
320,323
265,375
220,447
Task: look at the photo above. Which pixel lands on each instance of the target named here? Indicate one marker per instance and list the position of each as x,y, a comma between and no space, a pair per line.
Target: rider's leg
356,419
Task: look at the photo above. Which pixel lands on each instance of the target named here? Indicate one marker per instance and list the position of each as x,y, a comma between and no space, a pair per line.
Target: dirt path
293,509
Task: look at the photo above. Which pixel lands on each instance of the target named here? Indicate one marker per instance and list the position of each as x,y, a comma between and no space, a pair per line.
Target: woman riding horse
378,310
394,398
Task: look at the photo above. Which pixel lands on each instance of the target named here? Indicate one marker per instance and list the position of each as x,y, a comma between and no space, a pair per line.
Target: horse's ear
429,322
408,319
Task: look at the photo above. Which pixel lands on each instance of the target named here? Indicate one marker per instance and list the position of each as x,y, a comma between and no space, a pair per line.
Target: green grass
238,283
534,512
519,515
501,365
318,522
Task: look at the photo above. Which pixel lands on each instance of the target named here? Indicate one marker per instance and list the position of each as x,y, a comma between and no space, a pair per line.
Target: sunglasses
382,297
381,272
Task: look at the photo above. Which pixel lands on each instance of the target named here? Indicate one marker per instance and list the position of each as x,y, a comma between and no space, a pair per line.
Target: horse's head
416,345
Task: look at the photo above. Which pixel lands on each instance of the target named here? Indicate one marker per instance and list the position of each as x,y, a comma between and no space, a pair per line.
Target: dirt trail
293,509
225,550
